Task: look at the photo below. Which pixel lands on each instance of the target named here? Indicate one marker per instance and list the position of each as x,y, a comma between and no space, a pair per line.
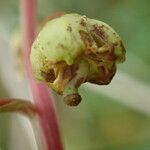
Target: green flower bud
74,49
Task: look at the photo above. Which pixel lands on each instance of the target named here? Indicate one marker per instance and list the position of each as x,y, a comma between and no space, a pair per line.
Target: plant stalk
41,95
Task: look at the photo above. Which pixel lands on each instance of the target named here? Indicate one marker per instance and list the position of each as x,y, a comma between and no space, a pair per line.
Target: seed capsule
73,49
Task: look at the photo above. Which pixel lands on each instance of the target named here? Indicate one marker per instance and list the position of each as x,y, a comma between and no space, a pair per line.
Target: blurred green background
113,118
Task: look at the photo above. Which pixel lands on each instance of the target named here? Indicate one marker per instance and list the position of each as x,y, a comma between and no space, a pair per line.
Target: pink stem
42,97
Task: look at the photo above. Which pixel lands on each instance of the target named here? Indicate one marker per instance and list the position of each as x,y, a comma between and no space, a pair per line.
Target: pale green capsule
73,49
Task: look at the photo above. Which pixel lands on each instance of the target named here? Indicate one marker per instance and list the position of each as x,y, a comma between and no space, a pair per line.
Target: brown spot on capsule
99,31
48,76
61,45
116,44
105,75
122,46
98,40
67,73
69,28
79,82
74,69
72,99
88,41
83,22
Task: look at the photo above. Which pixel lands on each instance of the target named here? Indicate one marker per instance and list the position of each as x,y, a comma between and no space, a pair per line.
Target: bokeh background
113,117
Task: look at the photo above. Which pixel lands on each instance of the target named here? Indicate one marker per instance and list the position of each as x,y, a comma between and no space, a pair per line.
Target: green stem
70,95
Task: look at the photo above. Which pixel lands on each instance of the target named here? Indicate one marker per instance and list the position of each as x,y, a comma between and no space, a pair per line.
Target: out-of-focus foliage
100,123
4,123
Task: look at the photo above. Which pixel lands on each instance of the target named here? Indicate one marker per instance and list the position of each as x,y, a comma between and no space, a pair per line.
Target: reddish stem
42,97
17,105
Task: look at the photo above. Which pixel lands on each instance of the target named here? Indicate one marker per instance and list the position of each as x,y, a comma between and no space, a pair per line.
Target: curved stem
17,105
13,105
42,97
